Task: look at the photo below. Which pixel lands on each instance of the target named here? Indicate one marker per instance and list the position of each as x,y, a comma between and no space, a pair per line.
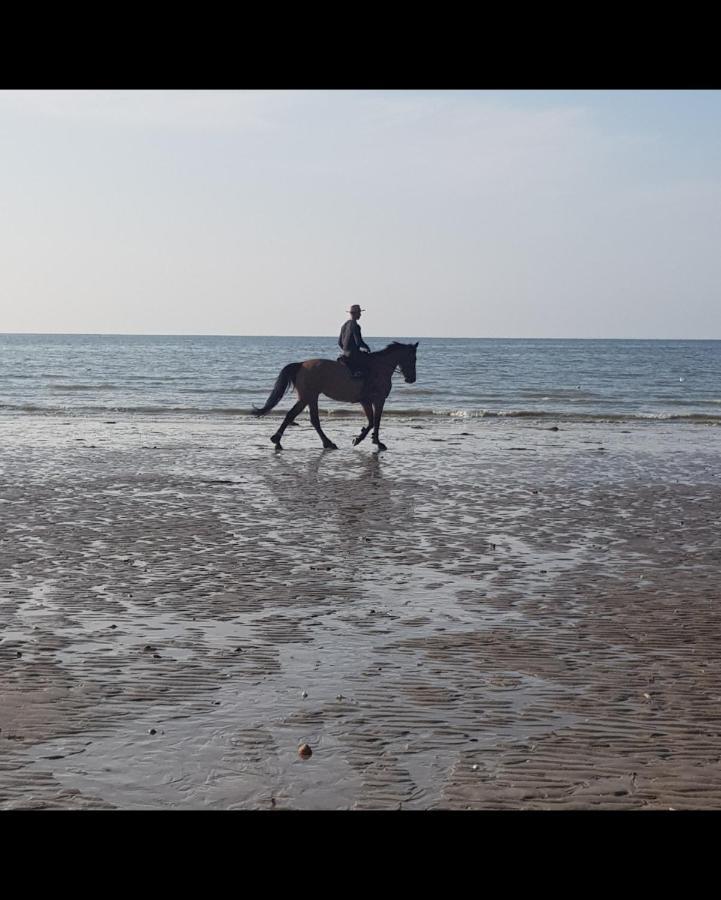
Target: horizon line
333,337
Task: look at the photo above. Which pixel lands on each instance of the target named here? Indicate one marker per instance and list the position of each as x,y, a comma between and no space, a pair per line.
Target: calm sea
200,375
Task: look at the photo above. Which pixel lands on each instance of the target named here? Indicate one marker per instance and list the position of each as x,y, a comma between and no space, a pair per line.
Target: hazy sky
479,214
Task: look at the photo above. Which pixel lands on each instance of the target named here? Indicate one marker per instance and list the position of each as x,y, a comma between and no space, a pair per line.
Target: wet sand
490,615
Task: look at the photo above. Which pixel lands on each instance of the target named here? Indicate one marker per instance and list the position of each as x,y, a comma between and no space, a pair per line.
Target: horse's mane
394,345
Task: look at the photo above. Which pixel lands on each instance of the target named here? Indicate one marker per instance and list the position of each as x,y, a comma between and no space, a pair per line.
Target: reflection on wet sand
337,507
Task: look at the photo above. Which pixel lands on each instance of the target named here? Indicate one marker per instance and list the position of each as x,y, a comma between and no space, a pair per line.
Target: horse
334,379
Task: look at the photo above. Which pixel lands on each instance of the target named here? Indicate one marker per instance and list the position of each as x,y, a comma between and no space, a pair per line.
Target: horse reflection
342,507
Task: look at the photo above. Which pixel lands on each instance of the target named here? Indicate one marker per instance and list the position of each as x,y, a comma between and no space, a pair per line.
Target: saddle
354,373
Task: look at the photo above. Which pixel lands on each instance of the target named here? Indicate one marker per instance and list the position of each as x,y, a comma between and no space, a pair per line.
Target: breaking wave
355,412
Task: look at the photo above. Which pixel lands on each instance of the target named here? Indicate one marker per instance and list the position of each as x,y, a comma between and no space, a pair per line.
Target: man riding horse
352,344
337,381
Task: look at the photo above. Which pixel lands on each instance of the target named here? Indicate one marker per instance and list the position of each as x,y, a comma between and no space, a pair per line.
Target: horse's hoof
330,446
357,441
381,446
276,440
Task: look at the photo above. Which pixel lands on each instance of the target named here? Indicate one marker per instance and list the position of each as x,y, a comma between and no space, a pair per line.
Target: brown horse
324,376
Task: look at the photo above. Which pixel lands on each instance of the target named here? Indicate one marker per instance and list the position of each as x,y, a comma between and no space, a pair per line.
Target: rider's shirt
351,340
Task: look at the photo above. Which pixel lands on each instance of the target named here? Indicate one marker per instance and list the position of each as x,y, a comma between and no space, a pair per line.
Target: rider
352,344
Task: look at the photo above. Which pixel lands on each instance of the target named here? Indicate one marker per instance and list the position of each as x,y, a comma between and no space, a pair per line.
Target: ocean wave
391,413
140,410
578,416
230,390
572,394
423,392
111,386
99,386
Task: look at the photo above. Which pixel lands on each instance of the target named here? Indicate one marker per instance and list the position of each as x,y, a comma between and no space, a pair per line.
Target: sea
171,375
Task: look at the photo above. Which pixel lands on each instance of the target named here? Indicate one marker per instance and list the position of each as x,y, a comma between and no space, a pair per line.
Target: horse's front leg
368,409
315,419
377,413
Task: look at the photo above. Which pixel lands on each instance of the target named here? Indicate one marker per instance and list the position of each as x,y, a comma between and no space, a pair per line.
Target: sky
587,214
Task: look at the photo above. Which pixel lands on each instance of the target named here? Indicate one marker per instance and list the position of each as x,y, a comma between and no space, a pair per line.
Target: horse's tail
287,377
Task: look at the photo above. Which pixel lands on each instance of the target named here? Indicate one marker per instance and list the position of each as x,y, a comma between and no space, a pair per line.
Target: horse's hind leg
368,409
290,415
315,420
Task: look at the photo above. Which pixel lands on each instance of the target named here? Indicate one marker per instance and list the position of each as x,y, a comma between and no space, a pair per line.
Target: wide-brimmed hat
356,308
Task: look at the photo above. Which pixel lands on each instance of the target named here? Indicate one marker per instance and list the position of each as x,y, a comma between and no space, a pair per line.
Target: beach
493,614
511,601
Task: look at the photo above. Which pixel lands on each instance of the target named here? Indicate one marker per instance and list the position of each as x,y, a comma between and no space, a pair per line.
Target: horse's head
407,363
